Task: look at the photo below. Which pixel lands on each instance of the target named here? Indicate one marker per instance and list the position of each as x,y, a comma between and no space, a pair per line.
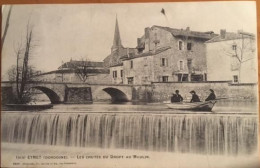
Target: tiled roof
183,32
64,71
159,50
114,58
230,36
120,64
75,64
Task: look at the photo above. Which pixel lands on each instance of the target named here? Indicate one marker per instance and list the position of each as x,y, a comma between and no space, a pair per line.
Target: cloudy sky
77,31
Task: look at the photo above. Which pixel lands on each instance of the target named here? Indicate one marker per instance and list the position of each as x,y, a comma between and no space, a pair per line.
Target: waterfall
204,134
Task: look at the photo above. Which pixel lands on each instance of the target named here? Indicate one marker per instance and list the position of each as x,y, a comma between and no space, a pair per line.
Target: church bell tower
117,40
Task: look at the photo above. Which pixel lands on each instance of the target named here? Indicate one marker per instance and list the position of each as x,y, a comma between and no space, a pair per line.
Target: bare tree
82,70
6,26
243,49
23,72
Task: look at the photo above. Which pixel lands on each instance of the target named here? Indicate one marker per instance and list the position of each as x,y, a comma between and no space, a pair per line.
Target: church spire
117,39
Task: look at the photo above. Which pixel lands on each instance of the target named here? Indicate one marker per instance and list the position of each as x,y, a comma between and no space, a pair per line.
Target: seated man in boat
195,97
176,97
211,96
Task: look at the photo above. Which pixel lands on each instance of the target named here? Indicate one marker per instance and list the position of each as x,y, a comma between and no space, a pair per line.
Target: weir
203,134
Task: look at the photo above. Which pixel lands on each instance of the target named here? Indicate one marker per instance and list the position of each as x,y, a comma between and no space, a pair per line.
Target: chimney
188,29
222,33
138,41
146,32
147,37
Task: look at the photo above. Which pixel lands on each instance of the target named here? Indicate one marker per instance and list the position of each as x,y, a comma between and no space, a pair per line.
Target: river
229,131
221,107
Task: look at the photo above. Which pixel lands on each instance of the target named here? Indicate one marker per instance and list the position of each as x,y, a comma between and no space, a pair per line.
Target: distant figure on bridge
211,96
195,97
176,97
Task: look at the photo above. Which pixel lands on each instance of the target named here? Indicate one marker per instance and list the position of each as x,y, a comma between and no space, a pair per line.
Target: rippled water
220,107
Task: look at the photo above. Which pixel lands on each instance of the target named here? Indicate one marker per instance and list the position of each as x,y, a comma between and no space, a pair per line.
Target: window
180,45
189,45
196,78
234,47
130,80
131,64
182,77
164,62
165,78
235,78
121,73
114,74
181,65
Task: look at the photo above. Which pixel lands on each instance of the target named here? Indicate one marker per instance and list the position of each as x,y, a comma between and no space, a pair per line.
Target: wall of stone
142,93
150,69
7,95
118,79
142,70
81,95
163,91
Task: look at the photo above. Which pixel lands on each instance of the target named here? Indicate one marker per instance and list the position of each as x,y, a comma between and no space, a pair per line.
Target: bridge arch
52,95
116,94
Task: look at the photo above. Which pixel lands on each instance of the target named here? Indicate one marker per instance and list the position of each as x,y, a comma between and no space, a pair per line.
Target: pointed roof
117,39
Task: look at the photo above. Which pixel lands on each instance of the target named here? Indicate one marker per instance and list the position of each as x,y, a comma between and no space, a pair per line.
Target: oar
220,98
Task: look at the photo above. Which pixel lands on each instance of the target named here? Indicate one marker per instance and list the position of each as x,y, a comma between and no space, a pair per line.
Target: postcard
129,85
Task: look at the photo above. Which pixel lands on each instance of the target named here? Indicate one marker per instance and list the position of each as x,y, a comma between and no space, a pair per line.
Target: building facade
232,57
167,55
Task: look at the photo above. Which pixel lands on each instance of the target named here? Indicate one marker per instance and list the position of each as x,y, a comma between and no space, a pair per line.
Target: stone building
232,57
78,72
113,61
167,55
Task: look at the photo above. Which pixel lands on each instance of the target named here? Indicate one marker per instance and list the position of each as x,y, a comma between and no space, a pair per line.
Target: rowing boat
196,106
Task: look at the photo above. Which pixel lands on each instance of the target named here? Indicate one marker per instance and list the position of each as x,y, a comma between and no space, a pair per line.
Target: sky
86,31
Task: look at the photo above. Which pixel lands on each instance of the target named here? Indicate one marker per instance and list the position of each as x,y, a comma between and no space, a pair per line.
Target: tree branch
6,26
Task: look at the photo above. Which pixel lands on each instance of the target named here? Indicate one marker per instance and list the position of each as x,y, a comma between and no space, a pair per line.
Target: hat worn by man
211,90
192,91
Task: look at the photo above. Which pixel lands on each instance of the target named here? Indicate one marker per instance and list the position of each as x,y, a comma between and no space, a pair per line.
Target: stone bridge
69,92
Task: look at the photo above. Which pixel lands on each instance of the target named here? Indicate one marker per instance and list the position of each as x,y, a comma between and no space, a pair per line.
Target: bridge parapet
59,92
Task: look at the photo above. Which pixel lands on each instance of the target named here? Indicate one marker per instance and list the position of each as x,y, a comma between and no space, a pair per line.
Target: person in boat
211,96
195,97
176,97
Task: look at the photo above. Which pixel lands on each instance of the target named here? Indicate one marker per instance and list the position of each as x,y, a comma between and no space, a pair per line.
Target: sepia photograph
130,85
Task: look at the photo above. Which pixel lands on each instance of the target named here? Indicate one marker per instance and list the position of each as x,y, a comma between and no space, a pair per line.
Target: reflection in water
220,107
